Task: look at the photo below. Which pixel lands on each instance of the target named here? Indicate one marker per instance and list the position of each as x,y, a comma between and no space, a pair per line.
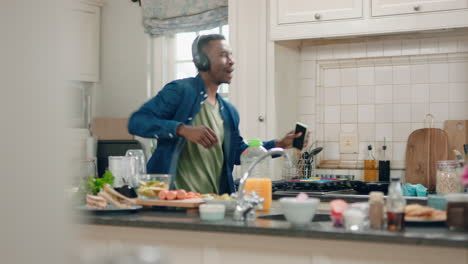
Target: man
197,131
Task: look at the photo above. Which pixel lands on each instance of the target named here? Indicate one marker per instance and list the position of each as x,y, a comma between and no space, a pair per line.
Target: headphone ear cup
204,62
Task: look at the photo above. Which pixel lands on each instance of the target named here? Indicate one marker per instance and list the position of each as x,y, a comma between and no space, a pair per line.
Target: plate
424,222
111,210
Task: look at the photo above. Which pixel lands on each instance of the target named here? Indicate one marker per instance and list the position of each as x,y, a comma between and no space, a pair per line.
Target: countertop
183,220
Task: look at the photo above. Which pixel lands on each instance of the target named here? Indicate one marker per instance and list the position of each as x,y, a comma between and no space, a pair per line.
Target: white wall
122,88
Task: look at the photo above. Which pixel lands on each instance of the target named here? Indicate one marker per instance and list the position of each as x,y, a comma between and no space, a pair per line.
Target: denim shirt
178,103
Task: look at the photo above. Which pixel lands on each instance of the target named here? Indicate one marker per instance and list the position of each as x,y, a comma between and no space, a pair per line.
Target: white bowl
299,212
229,204
212,212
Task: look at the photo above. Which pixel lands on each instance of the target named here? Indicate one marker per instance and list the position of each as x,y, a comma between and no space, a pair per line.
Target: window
183,65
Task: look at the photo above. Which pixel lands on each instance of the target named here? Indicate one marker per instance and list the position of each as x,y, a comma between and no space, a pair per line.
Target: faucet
246,203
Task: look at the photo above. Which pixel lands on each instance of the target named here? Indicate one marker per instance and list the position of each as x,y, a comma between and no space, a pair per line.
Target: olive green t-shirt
199,168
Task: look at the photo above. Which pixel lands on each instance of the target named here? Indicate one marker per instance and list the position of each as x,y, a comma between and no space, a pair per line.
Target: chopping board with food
424,148
457,132
173,198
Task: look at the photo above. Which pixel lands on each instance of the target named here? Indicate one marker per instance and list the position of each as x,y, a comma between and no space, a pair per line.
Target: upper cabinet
296,11
83,36
395,7
305,19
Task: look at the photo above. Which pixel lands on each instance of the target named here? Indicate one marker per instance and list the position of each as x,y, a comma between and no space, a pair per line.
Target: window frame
164,61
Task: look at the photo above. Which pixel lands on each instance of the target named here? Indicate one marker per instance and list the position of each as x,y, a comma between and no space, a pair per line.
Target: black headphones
199,58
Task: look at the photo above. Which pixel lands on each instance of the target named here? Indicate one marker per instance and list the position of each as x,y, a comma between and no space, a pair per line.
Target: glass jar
448,177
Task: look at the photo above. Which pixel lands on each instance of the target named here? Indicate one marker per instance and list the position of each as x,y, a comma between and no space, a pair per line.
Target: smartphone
299,142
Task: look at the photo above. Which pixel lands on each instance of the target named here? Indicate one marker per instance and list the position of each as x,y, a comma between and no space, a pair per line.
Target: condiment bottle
395,206
370,168
384,166
376,210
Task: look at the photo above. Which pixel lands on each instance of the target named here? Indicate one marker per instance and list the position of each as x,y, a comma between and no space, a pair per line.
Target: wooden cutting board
457,132
424,148
187,203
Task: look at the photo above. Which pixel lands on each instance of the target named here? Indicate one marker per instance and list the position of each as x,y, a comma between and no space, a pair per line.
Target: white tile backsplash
332,114
366,75
366,113
419,73
458,92
349,114
401,113
366,132
332,96
438,73
439,111
383,94
332,132
383,88
384,75
458,72
402,93
383,113
331,78
348,76
349,95
383,131
419,93
401,131
458,111
419,112
401,74
438,93
366,94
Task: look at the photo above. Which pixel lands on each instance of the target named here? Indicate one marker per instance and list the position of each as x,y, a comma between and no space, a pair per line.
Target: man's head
212,55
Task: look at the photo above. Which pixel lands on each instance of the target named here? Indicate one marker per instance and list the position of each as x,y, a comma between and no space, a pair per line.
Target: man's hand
286,141
200,135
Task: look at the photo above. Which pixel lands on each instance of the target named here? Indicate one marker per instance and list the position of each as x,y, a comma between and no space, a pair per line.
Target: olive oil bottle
370,166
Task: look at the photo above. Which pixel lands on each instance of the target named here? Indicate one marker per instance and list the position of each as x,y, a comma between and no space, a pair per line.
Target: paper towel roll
91,147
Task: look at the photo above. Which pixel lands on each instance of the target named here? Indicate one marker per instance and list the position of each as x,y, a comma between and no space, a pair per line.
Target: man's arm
154,118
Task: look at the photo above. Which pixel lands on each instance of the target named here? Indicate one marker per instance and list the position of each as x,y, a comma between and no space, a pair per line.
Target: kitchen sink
281,217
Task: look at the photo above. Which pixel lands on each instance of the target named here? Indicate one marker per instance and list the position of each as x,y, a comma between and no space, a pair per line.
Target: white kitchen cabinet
82,38
302,19
395,7
296,11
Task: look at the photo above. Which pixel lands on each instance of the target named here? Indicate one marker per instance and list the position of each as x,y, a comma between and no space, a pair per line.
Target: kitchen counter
181,220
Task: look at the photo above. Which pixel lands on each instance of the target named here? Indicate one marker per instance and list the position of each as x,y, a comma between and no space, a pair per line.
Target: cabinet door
394,7
295,11
83,39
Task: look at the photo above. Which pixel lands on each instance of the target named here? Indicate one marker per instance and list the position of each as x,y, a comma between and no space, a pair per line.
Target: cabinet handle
317,16
261,118
416,7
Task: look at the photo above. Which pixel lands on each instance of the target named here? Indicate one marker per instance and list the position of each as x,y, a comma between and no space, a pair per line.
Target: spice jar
448,177
457,211
376,210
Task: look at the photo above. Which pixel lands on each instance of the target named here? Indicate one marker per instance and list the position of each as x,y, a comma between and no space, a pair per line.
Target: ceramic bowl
299,212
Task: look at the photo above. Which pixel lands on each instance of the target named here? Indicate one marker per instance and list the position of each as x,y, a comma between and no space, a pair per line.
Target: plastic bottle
395,206
370,168
258,180
376,210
